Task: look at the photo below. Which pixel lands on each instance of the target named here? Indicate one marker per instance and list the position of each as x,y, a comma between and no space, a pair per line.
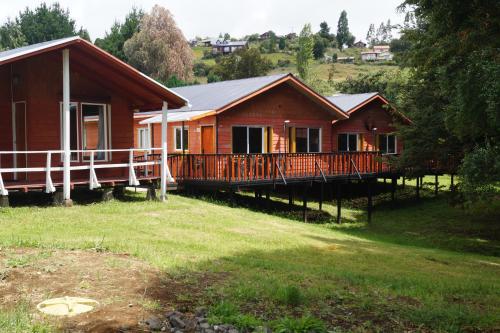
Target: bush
201,69
306,324
290,295
211,77
283,63
228,313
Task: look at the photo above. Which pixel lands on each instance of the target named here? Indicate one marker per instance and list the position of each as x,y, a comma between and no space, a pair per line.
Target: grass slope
424,266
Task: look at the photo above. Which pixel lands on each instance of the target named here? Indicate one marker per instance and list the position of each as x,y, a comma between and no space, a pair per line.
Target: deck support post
151,193
66,131
164,154
436,185
339,202
370,201
107,194
452,180
418,188
290,196
119,191
4,201
321,195
393,189
268,199
404,182
304,203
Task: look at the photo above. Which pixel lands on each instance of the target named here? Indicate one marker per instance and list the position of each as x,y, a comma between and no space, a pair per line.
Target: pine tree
342,30
370,36
305,52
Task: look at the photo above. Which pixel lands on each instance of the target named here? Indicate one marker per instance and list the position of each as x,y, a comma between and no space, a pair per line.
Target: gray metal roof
229,43
14,53
347,102
213,96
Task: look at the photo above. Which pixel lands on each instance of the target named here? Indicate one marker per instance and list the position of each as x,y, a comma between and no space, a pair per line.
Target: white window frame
106,131
262,127
175,128
144,135
387,143
308,138
77,159
357,142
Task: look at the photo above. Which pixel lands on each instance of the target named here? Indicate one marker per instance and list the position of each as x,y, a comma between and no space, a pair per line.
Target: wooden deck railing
274,167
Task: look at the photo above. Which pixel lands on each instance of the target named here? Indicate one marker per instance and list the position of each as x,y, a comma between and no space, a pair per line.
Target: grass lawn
420,266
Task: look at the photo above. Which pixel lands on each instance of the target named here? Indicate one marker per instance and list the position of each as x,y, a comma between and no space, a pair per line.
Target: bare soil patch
128,290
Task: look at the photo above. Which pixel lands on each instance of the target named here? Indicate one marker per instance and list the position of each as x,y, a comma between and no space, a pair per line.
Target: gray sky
238,17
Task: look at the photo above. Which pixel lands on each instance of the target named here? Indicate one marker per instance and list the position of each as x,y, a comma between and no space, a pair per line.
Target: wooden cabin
371,125
67,114
272,114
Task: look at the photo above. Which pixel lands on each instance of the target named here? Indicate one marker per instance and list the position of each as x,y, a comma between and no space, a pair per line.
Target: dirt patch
128,290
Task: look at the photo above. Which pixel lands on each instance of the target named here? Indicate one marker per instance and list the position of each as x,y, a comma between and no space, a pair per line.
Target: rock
201,320
177,322
209,331
200,311
204,326
154,324
233,330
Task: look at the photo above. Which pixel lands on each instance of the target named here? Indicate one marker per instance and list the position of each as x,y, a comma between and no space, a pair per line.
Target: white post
66,129
164,154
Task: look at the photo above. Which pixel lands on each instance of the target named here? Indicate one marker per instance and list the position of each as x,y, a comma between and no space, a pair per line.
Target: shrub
201,69
228,313
306,324
283,62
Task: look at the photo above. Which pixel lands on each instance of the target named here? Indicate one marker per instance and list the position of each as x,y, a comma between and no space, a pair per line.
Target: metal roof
213,96
347,102
20,51
175,116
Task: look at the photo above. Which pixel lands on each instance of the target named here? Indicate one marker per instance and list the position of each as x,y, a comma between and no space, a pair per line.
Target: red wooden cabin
66,116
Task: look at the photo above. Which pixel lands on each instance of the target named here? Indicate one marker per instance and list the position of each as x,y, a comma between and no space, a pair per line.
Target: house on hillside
371,125
228,47
360,45
379,53
267,35
381,48
66,110
269,114
291,36
369,56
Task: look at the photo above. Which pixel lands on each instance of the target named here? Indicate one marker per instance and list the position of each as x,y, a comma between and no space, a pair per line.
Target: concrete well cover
67,306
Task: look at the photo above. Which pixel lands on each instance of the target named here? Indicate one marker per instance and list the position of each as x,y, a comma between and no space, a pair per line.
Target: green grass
424,264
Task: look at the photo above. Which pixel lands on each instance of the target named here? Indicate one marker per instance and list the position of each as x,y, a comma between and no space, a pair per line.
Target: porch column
66,130
164,153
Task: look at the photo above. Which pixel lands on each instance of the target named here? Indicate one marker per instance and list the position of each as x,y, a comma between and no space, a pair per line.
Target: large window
307,140
181,138
143,140
348,142
387,143
247,140
94,130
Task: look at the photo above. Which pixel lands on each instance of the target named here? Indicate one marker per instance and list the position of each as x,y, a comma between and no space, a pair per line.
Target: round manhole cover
67,306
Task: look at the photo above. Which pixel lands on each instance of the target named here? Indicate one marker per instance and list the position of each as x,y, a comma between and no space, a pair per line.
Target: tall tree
46,23
370,35
305,52
159,49
380,36
455,102
242,64
342,30
324,31
388,32
114,41
11,36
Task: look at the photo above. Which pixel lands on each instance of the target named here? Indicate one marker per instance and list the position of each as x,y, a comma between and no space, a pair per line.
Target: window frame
348,140
107,131
387,135
78,145
262,128
308,144
143,132
186,128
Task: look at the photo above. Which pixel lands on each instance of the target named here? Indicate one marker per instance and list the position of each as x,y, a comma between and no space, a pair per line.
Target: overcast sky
238,17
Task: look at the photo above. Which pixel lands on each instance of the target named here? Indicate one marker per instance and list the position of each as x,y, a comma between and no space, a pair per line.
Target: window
181,138
307,140
94,130
143,138
387,143
348,142
73,130
247,140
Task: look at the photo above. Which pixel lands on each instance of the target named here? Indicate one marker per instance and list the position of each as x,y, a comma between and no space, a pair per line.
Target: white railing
91,164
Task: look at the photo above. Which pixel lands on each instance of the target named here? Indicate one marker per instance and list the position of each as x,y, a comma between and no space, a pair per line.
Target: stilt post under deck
164,153
339,202
321,195
370,202
66,130
436,185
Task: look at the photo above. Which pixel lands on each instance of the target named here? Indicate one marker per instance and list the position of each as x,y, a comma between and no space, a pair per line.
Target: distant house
385,56
267,35
381,48
345,59
291,35
369,56
360,45
379,53
228,47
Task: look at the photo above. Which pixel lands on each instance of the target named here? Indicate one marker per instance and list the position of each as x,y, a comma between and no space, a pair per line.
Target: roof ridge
235,80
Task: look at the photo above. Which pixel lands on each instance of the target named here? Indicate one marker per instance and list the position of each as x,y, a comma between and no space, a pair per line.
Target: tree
305,52
282,43
350,40
454,102
272,43
380,36
324,31
342,30
320,45
11,36
47,23
241,64
159,49
388,32
114,41
370,35
227,36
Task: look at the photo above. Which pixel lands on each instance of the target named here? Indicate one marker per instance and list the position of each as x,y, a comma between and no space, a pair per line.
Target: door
207,140
19,138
